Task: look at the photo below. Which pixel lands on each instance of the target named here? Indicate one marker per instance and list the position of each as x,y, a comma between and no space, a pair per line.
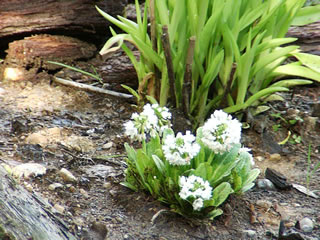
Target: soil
61,127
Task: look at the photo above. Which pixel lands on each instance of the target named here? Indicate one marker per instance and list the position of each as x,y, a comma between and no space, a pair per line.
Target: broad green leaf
215,213
160,165
309,60
263,93
295,70
271,57
221,193
223,164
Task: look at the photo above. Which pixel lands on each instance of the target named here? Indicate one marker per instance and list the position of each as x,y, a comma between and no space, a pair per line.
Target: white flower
130,129
181,149
220,132
152,120
247,151
195,189
197,204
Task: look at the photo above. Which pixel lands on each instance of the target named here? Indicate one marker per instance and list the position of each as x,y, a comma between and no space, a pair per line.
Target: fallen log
25,215
35,51
72,17
308,37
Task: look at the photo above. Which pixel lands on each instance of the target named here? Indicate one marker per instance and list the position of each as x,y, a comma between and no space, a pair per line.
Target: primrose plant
192,174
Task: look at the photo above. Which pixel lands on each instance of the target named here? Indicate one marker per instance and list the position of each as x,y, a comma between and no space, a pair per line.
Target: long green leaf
307,15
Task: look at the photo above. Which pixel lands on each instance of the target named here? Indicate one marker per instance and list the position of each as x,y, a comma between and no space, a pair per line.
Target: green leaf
129,185
307,15
222,165
132,91
221,193
107,48
309,60
295,70
291,83
160,165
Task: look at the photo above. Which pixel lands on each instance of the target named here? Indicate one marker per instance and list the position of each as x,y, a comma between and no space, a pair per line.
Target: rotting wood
308,37
25,215
35,51
72,17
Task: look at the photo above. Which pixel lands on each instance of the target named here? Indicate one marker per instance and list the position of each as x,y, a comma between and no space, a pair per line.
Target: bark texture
308,37
35,51
70,17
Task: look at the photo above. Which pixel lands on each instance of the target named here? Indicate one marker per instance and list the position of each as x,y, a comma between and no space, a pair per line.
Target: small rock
264,204
250,233
67,176
306,225
28,186
107,185
119,219
27,170
107,145
2,91
78,221
101,170
54,186
265,184
259,158
84,193
275,157
60,209
72,189
113,192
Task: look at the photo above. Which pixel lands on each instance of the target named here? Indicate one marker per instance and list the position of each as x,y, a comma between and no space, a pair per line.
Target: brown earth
61,127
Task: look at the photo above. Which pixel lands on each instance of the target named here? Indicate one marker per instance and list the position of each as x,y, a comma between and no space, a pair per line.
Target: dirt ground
61,127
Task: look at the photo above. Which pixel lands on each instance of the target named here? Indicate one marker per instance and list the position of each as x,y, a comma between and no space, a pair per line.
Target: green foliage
237,53
95,75
165,162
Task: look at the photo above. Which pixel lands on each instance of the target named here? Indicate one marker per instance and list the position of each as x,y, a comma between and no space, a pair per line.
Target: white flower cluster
220,132
152,120
181,149
196,189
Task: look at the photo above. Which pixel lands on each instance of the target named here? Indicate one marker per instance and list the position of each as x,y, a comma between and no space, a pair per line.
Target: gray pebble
265,184
306,224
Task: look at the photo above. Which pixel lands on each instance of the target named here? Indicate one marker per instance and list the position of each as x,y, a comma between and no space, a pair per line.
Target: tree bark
25,215
35,51
308,37
68,17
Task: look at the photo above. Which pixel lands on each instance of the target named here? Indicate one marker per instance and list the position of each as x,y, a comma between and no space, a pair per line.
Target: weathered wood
25,215
117,70
72,17
35,51
308,37
277,179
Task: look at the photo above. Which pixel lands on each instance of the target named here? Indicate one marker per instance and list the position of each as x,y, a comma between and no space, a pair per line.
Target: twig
188,76
155,216
91,88
167,53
